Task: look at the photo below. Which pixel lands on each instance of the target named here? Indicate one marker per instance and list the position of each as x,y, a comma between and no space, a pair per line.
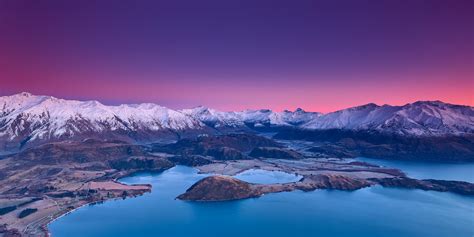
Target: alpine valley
57,155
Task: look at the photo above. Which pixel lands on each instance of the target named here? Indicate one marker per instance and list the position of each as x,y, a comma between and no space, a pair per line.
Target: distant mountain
26,118
256,118
419,118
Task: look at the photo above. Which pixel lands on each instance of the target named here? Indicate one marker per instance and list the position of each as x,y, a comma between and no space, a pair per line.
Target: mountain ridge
25,117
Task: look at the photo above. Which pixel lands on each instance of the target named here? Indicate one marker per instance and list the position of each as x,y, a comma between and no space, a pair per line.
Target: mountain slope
419,118
27,118
257,118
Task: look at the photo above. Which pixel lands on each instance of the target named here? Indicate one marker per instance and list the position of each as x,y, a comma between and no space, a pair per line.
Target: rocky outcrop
5,232
223,188
331,150
274,152
190,160
226,153
459,187
90,150
219,188
222,147
141,163
339,182
349,143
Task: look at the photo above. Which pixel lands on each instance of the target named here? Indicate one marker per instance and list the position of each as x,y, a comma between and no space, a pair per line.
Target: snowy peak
261,117
214,118
45,117
419,118
26,117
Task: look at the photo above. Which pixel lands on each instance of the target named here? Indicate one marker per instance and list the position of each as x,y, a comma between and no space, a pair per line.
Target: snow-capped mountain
419,118
215,118
46,117
256,118
25,117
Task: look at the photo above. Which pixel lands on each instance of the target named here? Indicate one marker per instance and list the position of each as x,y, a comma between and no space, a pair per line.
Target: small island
341,176
220,188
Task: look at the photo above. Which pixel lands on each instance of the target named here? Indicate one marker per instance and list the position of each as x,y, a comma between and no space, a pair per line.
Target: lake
373,211
429,170
259,176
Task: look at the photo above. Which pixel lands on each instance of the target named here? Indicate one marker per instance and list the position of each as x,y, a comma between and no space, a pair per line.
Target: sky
233,55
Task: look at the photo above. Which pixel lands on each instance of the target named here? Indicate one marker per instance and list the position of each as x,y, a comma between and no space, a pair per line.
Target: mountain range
28,119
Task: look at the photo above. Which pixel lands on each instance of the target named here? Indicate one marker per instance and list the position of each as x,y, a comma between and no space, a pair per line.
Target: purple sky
319,55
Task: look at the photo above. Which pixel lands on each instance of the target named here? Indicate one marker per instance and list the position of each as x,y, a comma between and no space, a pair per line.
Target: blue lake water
427,170
259,176
374,211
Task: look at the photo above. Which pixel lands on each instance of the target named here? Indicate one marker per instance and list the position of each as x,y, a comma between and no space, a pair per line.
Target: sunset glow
317,56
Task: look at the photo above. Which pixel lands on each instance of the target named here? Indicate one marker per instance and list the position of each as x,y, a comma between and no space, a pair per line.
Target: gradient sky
232,55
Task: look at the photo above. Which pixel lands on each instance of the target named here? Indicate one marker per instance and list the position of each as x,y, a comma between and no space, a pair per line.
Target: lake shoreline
155,208
318,174
37,225
60,215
